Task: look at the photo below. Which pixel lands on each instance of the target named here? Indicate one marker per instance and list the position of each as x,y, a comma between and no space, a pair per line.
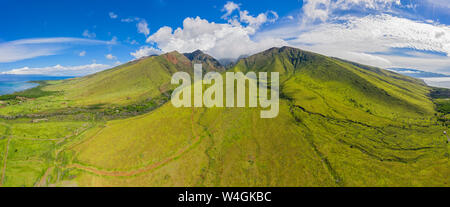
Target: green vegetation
443,106
340,124
439,93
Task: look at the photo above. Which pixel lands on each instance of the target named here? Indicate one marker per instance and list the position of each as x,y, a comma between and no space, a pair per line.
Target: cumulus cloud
257,21
253,22
142,27
82,53
113,41
224,41
89,34
316,9
112,15
145,51
59,70
31,48
218,40
229,8
110,57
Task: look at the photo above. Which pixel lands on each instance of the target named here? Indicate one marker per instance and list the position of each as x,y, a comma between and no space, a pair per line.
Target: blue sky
69,37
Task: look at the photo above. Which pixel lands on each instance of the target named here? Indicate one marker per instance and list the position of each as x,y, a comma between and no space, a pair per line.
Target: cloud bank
59,70
23,49
219,40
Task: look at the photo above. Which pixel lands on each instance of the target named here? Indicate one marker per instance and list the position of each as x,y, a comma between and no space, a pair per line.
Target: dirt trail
146,168
5,158
43,180
34,139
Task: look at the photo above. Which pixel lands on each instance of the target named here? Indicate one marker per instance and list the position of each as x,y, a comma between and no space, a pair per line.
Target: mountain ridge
339,124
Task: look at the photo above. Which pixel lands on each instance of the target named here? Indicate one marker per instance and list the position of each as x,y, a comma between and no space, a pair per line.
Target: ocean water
14,83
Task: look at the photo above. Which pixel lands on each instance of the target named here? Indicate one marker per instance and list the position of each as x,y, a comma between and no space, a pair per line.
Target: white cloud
408,72
228,40
53,40
134,42
369,4
322,9
131,42
145,51
142,27
130,19
113,41
437,64
437,4
316,9
88,34
112,15
12,53
371,40
253,22
257,21
438,82
110,57
228,8
31,48
82,53
127,20
59,70
219,40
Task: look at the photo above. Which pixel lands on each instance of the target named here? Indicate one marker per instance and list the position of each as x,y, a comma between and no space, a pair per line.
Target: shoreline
37,81
22,89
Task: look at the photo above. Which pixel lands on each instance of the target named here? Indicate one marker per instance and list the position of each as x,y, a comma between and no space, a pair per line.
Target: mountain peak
209,63
177,58
199,52
173,53
283,49
196,55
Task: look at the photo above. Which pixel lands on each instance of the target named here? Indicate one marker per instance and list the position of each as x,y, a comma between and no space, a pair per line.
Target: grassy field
29,149
285,151
340,124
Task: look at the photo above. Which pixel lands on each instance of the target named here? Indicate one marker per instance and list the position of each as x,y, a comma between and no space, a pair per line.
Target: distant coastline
431,79
16,83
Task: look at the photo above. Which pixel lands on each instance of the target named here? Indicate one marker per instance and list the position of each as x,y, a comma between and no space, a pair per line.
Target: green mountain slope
132,82
340,124
136,82
338,89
